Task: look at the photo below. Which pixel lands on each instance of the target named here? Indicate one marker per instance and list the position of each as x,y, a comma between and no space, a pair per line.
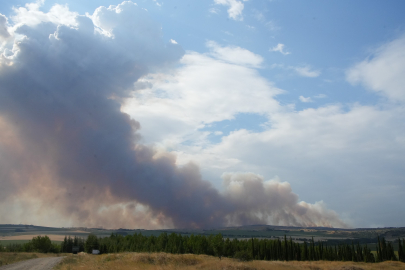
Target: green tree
243,256
401,255
218,245
91,243
42,244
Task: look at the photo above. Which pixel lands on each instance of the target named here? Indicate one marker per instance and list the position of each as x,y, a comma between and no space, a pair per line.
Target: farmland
298,234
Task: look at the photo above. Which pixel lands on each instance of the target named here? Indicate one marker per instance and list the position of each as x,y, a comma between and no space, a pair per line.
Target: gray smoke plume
68,155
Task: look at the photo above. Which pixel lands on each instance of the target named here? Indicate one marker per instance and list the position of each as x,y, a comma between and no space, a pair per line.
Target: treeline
68,243
215,245
42,244
259,249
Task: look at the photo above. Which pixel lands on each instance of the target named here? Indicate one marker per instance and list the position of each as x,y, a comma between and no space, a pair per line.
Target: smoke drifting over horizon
68,155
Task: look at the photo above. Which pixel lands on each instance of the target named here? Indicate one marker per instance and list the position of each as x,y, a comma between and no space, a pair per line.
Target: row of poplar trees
247,249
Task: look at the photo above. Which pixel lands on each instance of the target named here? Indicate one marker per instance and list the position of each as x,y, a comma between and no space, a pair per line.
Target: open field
298,234
53,237
11,257
21,242
159,261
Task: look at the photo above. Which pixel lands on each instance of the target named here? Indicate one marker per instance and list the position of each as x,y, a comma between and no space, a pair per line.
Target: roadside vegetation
13,257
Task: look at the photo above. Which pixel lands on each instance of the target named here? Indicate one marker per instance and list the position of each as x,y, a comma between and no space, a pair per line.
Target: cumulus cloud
235,8
157,3
30,15
303,70
383,71
320,96
279,48
270,25
305,99
351,155
235,55
215,95
348,152
306,71
3,27
67,148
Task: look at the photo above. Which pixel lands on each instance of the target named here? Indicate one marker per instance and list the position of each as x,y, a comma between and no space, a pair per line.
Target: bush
42,244
243,256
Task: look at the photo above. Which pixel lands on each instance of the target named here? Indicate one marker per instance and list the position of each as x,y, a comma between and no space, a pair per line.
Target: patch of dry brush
160,261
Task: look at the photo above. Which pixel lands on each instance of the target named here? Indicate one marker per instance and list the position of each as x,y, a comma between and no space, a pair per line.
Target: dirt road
34,264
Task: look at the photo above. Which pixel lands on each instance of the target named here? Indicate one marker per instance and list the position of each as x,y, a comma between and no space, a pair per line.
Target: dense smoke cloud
67,150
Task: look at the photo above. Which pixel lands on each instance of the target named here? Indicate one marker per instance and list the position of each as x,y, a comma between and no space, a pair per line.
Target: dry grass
160,261
11,257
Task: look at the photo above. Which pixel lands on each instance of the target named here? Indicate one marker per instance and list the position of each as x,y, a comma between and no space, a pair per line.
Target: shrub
42,244
243,256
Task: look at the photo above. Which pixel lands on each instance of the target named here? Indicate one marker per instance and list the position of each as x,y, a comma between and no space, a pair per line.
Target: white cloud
320,96
353,153
31,15
234,55
270,25
173,41
235,8
202,91
157,3
306,71
259,16
3,27
384,71
305,99
279,48
348,153
214,10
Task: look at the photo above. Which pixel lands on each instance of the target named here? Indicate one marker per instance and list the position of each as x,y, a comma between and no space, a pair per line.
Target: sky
282,112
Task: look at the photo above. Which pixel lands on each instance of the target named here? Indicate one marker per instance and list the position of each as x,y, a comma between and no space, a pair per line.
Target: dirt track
34,264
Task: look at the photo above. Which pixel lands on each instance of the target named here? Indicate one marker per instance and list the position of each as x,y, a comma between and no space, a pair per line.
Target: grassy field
244,232
10,257
160,261
6,242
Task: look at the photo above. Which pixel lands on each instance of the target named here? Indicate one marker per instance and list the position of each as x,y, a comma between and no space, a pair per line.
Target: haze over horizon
156,114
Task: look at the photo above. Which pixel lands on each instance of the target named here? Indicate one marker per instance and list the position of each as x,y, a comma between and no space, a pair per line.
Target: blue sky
308,93
327,37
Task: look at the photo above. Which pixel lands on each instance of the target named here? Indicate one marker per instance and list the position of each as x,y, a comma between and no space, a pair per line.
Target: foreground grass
13,257
159,261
